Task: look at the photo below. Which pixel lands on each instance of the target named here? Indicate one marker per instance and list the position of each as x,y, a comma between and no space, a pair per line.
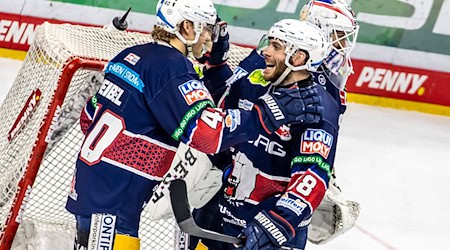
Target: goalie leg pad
105,231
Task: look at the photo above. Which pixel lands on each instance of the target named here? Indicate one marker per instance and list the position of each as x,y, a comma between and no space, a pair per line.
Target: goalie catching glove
334,216
289,106
267,231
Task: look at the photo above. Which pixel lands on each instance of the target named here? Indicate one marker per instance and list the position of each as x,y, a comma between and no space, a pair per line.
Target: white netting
53,47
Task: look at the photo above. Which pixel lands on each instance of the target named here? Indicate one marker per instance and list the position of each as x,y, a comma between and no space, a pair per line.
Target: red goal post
40,136
26,183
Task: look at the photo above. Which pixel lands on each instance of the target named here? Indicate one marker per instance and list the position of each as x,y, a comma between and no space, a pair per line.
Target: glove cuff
276,227
270,113
263,119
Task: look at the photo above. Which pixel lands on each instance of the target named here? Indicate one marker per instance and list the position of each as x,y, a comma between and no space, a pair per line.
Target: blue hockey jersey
287,171
150,100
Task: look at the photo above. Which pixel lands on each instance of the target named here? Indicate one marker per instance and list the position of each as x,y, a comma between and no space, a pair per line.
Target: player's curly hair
159,34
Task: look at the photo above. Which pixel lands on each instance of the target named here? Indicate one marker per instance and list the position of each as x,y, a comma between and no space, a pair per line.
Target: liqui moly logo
316,141
25,114
193,91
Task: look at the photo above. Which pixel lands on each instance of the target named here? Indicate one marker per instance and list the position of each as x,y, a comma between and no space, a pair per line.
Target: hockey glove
267,231
289,106
219,53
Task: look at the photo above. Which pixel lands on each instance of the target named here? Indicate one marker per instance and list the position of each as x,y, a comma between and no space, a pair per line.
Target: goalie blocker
202,179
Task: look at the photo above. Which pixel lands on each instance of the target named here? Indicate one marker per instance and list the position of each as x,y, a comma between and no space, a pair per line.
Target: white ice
394,163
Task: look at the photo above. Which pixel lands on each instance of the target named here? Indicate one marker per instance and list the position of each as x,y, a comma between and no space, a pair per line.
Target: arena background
402,58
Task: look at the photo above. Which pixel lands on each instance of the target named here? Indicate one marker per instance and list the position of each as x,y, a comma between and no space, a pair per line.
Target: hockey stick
182,212
183,216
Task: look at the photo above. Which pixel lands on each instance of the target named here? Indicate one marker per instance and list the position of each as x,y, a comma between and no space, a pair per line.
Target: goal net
40,136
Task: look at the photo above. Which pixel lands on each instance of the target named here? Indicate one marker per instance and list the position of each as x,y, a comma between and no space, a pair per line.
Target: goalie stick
182,212
183,216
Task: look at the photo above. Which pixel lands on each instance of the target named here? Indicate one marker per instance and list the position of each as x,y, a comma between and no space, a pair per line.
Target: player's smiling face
275,56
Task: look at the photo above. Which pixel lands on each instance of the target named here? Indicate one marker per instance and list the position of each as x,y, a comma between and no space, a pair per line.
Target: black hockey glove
267,231
289,106
221,45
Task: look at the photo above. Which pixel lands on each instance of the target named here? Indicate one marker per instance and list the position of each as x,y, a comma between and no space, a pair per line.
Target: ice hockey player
277,180
335,215
150,100
336,18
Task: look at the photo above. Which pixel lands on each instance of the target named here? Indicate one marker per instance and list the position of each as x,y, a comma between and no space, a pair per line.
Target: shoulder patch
256,78
132,58
126,74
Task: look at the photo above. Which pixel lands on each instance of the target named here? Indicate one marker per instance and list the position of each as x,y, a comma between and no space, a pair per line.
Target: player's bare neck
179,45
295,76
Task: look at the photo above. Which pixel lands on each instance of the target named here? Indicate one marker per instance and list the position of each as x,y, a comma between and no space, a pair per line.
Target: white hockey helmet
170,13
300,35
333,16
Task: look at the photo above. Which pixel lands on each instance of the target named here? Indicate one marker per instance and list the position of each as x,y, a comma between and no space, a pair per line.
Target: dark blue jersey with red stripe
151,99
287,171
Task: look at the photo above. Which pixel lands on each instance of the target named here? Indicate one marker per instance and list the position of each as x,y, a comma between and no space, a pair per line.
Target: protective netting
53,47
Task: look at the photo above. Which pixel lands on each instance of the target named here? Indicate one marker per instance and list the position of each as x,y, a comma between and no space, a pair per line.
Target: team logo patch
322,80
316,141
233,119
193,91
132,58
257,78
284,132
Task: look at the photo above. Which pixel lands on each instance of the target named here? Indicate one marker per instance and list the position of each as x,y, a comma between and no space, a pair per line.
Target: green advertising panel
413,25
418,21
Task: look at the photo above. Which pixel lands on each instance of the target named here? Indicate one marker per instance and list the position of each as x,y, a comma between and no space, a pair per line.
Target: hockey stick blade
183,216
182,212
